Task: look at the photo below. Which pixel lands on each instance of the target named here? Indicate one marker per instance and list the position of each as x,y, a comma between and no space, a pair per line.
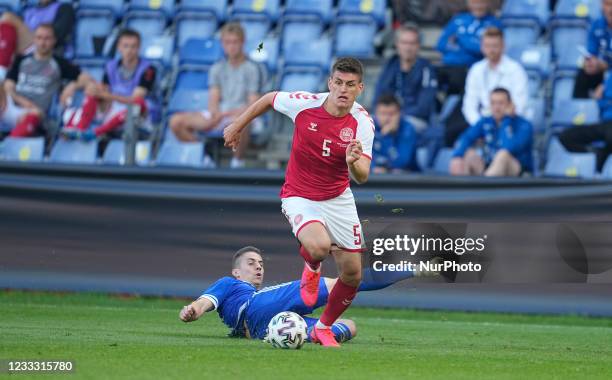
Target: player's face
44,39
129,48
232,45
492,48
478,8
499,105
250,269
606,7
388,116
407,45
344,88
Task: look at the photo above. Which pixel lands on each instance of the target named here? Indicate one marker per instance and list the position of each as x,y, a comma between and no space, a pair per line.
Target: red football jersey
317,168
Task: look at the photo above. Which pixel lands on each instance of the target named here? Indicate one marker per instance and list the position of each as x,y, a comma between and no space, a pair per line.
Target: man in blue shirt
506,149
395,139
580,138
460,44
247,309
410,78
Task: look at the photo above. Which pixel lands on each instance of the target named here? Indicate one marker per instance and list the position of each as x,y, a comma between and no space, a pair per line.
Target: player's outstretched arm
232,132
358,164
195,310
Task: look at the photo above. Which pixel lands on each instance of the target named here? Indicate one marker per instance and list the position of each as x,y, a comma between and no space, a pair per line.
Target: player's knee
503,155
318,249
176,123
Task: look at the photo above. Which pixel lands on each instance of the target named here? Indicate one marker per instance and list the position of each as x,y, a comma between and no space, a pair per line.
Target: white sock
320,325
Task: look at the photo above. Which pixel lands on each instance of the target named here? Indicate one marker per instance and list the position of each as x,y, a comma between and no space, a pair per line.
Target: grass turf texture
112,337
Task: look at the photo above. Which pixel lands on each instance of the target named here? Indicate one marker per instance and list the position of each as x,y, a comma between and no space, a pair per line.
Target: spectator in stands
437,12
460,44
233,85
17,34
496,70
599,48
395,138
34,79
580,138
410,78
506,146
128,79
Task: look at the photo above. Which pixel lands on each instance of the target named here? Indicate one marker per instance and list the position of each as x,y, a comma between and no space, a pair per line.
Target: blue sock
341,332
372,280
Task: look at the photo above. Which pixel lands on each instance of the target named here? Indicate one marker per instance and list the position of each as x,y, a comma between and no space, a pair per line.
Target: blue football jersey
230,297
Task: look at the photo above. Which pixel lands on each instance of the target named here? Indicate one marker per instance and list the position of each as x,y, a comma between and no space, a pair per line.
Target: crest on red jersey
298,219
346,134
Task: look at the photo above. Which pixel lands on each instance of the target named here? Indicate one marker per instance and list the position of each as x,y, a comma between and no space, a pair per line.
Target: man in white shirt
495,71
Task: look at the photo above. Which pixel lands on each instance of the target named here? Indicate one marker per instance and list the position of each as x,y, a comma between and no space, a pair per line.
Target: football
287,330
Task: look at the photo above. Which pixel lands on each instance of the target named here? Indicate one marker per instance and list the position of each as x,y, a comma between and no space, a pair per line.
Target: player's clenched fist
188,314
231,135
353,151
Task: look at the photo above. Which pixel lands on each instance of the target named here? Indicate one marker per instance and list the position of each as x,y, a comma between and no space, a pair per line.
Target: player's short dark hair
493,32
348,65
501,90
388,99
46,25
127,32
408,27
239,253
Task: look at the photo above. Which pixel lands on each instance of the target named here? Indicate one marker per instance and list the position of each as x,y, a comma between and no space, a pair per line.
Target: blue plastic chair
316,53
197,25
23,149
354,37
201,52
74,152
567,40
158,49
536,113
218,8
174,153
606,171
518,35
94,67
255,30
191,78
374,9
92,24
117,7
442,160
148,24
536,10
574,112
563,86
561,163
266,9
321,9
577,9
300,31
301,79
188,100
268,54
114,154
10,5
163,7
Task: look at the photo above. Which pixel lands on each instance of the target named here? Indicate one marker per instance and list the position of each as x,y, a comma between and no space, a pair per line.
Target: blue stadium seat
30,149
561,163
117,7
75,152
262,9
255,31
10,5
174,153
577,9
301,79
148,24
196,25
201,51
92,25
216,7
567,40
158,49
354,37
267,55
183,100
536,10
94,67
563,86
536,113
300,31
606,171
442,160
519,35
191,78
165,7
321,9
533,58
571,112
316,53
114,154
374,9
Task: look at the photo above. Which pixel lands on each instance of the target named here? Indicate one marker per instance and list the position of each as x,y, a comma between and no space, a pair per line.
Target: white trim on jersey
212,299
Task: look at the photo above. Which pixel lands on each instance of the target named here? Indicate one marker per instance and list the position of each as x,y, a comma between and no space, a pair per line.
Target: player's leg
28,123
343,329
474,165
503,165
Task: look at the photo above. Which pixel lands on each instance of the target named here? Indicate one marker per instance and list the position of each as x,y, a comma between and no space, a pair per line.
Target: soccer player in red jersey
332,142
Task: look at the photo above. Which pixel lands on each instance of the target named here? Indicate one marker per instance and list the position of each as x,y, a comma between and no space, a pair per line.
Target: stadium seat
165,7
94,67
534,58
567,43
117,7
321,9
218,8
374,9
354,37
158,49
201,52
114,154
10,5
561,163
518,35
301,79
296,31
267,55
148,24
191,25
262,9
92,28
255,31
174,153
30,149
563,86
310,53
188,100
191,78
606,171
536,113
75,152
536,10
571,112
442,160
577,9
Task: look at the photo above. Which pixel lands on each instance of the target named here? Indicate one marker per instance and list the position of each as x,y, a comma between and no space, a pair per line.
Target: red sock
314,264
88,113
114,123
340,298
8,43
26,127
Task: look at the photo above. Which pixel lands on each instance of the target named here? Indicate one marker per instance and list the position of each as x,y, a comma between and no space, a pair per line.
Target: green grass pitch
142,338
